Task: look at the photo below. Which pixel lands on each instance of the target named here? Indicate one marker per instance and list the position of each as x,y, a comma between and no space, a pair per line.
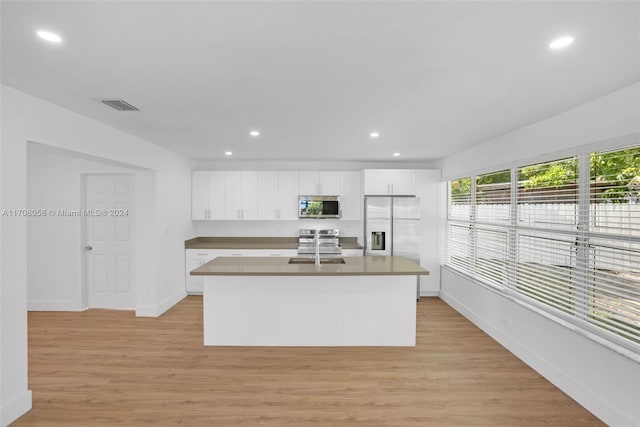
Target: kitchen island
258,301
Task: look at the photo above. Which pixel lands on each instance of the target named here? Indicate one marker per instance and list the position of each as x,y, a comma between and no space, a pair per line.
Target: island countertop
279,266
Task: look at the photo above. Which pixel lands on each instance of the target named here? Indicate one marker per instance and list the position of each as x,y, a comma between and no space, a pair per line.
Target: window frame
583,237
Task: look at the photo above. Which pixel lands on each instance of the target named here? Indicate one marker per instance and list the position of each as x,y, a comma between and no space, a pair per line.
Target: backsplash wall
275,228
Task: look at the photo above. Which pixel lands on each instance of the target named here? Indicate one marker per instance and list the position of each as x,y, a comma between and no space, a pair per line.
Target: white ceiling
315,78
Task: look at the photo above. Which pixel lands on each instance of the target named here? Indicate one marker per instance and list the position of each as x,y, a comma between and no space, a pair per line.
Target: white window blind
613,282
493,217
563,235
460,244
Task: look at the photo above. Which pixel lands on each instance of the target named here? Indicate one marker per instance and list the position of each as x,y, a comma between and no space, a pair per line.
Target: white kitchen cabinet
276,252
351,198
199,195
207,195
194,258
278,195
312,183
193,283
240,195
268,203
389,182
288,195
352,252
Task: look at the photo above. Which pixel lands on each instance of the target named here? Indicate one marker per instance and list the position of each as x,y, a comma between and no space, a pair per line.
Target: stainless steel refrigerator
392,227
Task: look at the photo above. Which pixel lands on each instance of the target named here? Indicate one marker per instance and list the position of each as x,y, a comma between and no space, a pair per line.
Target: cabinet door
403,181
193,284
249,195
351,199
232,195
308,183
352,252
287,195
329,183
199,195
376,182
216,195
276,252
268,200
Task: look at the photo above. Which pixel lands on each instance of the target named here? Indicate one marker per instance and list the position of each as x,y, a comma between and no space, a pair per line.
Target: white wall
613,116
601,379
276,228
160,266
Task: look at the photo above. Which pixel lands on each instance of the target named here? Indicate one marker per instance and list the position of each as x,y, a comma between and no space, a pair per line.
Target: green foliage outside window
617,172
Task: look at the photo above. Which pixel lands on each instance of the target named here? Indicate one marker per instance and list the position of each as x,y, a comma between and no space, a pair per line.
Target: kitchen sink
313,261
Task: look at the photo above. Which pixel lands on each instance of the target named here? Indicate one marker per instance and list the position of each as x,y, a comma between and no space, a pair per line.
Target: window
459,233
563,235
492,214
613,251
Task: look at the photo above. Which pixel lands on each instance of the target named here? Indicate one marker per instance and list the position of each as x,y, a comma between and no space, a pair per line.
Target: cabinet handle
277,213
391,188
236,254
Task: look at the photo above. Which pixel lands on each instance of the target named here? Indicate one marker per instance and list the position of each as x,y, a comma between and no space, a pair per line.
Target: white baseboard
61,305
429,293
16,408
157,310
171,301
586,398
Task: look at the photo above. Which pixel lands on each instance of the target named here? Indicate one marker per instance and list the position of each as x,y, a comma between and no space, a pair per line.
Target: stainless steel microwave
318,207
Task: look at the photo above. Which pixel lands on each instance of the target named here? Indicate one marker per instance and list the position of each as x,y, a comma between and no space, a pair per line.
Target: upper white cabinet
241,195
351,198
207,195
389,182
314,183
288,195
277,195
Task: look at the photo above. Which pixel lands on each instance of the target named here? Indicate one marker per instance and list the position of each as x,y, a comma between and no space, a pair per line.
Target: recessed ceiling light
396,154
49,36
228,153
374,134
561,43
254,133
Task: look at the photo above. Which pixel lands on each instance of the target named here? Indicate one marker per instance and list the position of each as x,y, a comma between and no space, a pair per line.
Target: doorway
109,241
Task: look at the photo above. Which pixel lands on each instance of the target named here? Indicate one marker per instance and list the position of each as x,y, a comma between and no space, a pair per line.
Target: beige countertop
257,243
279,266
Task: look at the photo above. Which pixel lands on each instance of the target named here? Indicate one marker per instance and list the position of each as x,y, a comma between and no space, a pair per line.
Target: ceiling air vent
119,104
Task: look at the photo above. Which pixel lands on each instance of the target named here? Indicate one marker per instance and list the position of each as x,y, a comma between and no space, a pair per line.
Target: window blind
613,281
493,217
563,235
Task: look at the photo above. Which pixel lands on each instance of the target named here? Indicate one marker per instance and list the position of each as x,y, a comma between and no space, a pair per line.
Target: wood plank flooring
110,368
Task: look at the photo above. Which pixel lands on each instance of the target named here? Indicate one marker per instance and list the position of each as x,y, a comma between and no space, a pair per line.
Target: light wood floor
111,368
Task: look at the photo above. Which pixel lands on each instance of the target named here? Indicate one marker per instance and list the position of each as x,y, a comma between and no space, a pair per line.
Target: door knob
88,247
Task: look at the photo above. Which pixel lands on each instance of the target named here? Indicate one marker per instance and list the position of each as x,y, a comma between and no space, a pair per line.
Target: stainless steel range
328,241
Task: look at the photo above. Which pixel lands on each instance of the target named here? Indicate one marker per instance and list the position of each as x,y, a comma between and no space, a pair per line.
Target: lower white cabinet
352,252
276,252
194,258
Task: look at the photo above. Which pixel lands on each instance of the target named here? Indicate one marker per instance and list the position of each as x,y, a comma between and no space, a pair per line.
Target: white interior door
109,253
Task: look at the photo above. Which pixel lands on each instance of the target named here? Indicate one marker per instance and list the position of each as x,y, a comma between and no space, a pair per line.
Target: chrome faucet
317,247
